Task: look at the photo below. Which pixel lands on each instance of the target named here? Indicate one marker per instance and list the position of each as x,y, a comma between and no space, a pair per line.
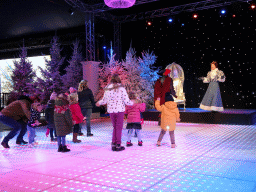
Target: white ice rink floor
208,157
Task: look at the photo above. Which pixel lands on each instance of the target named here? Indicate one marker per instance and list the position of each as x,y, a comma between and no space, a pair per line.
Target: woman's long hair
82,85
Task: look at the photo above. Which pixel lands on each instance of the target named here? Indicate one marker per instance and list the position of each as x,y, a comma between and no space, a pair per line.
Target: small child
33,122
77,115
134,118
49,117
63,121
169,115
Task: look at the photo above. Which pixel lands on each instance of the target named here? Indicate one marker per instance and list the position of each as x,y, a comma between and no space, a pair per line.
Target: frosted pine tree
51,79
106,70
149,74
6,81
23,75
74,72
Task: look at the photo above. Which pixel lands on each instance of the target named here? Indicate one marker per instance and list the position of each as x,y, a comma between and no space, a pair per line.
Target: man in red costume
163,85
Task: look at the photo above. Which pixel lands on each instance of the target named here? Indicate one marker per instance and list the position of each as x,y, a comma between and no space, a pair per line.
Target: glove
47,132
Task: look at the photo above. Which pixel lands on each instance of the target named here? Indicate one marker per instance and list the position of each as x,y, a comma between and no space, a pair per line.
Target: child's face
39,107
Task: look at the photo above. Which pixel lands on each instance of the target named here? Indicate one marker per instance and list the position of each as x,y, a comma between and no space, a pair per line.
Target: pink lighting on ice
120,3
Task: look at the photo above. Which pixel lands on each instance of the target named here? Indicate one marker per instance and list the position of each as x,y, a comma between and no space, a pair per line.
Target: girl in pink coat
134,119
77,115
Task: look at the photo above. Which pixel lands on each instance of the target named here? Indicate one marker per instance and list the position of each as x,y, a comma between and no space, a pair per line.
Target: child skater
115,96
134,118
63,121
77,115
33,122
169,115
49,117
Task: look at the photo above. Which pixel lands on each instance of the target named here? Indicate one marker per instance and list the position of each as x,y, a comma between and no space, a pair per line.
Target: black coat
86,99
49,112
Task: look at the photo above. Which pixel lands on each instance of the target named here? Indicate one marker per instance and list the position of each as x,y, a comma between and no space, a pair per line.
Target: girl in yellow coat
169,115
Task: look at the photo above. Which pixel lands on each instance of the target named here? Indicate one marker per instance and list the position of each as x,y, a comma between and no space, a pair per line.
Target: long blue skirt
212,99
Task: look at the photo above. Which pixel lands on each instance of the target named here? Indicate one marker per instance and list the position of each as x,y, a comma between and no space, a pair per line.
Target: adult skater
212,99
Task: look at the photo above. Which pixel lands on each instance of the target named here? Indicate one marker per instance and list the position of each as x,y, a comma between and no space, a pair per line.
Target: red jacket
161,89
77,115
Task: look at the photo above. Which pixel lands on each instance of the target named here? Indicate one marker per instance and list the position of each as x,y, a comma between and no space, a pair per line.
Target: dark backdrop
195,43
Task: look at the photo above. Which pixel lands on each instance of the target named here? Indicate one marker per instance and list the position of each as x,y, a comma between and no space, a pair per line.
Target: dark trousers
86,113
162,133
76,128
52,130
16,127
61,140
117,122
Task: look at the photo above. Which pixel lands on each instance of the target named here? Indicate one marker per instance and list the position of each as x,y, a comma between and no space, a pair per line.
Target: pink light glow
119,3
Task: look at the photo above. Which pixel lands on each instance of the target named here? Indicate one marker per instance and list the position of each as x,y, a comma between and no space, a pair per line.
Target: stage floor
208,157
197,115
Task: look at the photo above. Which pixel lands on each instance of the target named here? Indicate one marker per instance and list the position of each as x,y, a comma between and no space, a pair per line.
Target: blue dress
212,99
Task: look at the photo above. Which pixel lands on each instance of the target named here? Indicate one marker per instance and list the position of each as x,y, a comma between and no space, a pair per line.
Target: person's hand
84,118
158,99
97,104
178,120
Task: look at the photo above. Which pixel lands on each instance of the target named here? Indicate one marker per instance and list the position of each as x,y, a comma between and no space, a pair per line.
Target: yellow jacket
169,115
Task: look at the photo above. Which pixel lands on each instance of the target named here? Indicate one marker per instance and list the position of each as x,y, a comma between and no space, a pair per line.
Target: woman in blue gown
212,99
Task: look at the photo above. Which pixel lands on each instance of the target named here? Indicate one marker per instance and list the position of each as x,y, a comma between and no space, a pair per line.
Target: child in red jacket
134,118
77,115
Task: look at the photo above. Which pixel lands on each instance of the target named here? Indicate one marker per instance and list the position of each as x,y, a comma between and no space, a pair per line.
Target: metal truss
117,40
178,9
100,10
90,36
101,7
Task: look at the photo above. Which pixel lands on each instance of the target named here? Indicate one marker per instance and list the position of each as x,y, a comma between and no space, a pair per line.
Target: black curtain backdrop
195,43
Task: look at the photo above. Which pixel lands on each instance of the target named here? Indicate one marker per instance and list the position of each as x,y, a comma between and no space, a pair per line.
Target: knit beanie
167,71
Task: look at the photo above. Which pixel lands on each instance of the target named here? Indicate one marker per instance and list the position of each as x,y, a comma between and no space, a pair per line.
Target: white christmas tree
23,75
6,81
51,79
137,75
74,71
149,74
106,70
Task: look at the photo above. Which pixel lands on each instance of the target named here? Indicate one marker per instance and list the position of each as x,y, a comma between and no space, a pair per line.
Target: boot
60,149
140,143
119,147
129,143
65,149
75,140
173,146
5,144
113,146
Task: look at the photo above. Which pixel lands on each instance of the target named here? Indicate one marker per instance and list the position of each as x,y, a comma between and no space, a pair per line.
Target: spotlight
71,11
104,47
253,6
170,20
233,15
149,23
223,11
182,24
195,15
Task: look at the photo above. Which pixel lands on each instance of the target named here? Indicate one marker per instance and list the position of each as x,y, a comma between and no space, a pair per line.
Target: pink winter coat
77,115
134,112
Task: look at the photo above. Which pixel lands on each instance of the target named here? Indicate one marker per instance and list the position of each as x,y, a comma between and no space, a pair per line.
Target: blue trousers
31,134
61,140
17,126
87,113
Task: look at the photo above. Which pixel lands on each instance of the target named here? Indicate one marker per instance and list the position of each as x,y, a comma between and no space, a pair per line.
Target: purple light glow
119,3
